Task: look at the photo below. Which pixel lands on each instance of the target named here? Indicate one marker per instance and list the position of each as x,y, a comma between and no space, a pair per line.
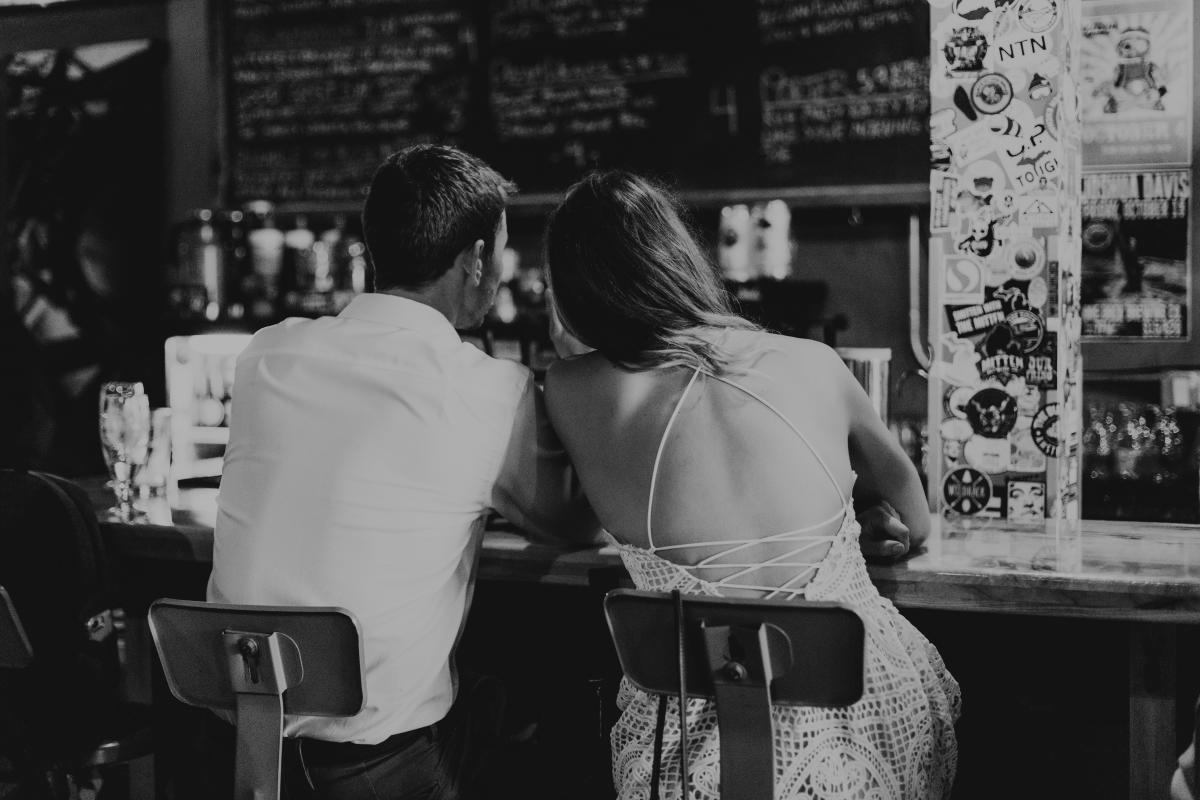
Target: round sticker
996,271
1039,87
967,490
992,412
992,93
988,455
1037,16
1027,257
1044,429
1038,292
954,432
964,49
1026,457
1027,401
956,402
983,178
955,428
964,276
1053,116
1002,341
1027,328
1098,237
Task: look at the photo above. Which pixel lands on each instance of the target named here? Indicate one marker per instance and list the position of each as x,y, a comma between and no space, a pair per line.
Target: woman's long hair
629,278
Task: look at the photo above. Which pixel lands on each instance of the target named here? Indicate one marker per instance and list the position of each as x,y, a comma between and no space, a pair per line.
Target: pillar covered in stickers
1004,389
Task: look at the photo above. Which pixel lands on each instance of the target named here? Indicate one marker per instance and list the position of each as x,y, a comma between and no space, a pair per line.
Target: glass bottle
197,287
265,243
298,275
237,262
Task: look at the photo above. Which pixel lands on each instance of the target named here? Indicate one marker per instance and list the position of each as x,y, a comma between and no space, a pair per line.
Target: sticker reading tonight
967,490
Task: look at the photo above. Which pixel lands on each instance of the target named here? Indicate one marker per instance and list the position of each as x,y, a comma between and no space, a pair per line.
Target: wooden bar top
1117,570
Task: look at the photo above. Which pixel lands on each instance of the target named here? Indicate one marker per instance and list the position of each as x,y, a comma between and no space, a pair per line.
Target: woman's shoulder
751,347
567,372
569,379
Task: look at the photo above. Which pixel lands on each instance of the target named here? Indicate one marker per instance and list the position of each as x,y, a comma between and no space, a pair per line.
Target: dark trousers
442,761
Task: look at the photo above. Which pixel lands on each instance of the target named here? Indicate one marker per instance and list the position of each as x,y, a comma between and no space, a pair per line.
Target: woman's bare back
730,468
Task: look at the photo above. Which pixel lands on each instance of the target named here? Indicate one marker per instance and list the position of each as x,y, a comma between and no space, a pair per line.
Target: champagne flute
125,439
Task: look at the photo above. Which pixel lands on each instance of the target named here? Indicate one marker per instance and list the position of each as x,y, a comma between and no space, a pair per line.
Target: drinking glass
125,439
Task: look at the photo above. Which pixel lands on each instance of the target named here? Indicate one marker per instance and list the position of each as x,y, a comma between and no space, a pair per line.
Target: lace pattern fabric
896,743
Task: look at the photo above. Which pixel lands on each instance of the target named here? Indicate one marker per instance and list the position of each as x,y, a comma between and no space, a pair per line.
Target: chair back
15,652
745,654
260,662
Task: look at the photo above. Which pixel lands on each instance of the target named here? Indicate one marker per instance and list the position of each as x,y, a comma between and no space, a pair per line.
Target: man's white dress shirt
365,452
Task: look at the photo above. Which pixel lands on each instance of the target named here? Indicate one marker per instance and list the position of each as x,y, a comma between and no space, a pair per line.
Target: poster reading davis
1135,279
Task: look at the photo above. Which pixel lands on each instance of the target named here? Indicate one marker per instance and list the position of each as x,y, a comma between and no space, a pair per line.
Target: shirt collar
401,312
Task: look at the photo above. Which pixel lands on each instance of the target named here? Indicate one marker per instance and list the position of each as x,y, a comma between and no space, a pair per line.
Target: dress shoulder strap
662,442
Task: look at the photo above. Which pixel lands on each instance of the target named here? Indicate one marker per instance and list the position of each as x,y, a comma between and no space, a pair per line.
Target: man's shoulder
479,370
279,333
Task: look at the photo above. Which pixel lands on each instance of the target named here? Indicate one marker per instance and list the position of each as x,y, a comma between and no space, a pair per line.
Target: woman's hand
565,343
884,536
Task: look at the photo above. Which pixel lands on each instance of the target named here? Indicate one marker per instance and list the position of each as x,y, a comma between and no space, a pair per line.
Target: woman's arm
886,475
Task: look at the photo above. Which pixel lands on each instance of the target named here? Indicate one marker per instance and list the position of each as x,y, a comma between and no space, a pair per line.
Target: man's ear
471,261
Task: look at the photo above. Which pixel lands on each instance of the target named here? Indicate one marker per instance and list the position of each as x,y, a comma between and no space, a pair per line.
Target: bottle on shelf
264,240
350,267
324,248
298,276
237,261
196,285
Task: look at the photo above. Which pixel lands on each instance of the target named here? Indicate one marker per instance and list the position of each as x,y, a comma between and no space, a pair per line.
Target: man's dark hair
425,205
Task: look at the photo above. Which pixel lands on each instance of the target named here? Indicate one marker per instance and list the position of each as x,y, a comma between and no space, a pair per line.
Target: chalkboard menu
843,91
710,94
322,90
623,83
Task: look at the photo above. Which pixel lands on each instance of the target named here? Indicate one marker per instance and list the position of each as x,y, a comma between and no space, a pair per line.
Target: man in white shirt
365,453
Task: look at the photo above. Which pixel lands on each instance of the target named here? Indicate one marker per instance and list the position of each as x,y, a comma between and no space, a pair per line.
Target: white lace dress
896,743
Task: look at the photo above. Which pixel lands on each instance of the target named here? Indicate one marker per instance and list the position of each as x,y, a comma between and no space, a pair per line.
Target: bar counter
1141,572
1144,577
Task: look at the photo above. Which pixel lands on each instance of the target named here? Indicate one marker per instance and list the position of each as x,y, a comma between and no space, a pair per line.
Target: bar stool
260,662
128,739
745,654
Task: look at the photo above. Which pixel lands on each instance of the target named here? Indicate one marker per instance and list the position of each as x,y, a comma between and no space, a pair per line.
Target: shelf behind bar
70,25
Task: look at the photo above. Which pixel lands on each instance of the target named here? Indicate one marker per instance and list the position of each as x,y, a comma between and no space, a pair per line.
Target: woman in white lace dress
724,460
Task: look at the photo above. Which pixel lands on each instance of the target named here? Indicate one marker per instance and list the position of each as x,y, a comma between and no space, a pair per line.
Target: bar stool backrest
745,654
15,652
260,662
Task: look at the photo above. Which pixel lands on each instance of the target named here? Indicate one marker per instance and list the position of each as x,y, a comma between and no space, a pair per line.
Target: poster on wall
1135,83
1135,277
